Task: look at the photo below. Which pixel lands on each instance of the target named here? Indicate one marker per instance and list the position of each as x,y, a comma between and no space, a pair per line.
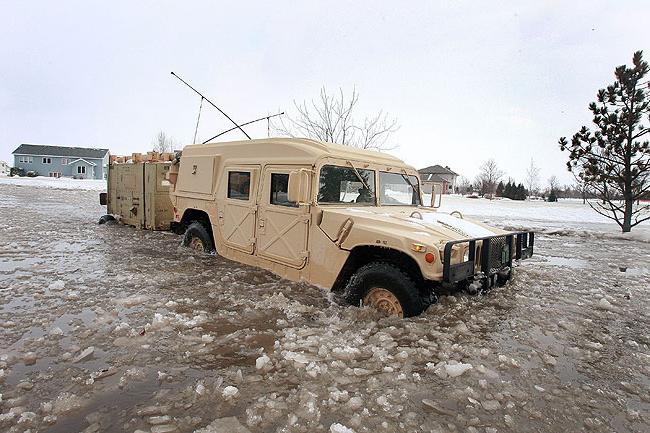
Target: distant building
4,169
62,161
437,174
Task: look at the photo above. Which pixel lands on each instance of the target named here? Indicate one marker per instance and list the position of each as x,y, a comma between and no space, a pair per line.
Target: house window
55,174
47,160
81,169
64,161
239,185
279,190
25,159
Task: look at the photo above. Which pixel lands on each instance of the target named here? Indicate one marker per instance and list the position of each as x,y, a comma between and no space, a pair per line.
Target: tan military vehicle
345,219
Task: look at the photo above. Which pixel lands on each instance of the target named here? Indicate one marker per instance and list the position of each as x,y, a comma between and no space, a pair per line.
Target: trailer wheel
385,287
198,238
105,218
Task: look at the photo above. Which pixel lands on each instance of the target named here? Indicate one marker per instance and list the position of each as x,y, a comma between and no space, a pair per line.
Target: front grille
496,254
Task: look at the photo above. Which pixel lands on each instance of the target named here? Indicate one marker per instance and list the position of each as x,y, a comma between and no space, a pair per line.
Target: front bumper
486,256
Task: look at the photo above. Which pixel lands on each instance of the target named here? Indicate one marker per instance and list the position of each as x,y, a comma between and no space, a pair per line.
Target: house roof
81,159
43,149
437,169
430,177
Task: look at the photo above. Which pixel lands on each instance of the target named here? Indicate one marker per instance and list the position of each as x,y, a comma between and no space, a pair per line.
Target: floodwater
109,328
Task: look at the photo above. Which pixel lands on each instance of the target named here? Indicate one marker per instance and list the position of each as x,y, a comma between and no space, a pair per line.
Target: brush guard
495,256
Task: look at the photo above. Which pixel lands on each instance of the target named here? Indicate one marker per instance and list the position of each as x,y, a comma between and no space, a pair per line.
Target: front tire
385,287
198,238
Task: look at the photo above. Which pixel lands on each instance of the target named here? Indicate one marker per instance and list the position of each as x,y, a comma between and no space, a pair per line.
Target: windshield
398,189
342,185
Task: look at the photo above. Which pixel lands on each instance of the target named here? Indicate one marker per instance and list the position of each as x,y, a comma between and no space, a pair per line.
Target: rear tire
381,285
105,218
198,238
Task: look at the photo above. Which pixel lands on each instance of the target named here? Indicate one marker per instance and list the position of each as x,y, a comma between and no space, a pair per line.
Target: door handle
261,223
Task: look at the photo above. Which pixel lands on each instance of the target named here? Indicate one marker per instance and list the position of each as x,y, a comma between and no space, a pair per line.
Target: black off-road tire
105,219
197,232
387,276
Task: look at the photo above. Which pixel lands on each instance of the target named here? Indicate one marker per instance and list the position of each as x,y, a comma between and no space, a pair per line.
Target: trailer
138,192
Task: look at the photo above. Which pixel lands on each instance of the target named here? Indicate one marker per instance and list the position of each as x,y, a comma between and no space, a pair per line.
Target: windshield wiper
365,185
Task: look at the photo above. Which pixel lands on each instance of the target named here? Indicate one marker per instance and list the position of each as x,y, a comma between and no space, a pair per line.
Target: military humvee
345,219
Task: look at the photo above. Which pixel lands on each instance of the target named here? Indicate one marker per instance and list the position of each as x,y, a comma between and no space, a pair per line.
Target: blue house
62,161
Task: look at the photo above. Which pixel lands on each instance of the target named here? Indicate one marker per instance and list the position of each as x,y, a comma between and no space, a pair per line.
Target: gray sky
466,80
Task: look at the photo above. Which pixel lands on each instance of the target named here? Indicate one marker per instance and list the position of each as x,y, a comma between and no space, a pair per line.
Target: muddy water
108,328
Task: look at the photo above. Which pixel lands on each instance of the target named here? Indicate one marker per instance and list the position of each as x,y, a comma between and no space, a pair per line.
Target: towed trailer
138,192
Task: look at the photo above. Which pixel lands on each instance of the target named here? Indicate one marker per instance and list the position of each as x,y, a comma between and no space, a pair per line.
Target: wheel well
195,215
201,216
362,255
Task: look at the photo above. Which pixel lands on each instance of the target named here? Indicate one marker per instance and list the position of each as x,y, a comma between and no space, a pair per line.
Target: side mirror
298,190
436,195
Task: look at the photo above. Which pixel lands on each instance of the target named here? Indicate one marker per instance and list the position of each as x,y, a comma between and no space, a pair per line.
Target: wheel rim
384,301
196,244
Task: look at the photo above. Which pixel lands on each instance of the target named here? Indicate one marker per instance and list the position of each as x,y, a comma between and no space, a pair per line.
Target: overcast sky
467,81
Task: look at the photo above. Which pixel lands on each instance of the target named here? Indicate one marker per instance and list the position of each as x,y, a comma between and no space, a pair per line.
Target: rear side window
279,189
239,185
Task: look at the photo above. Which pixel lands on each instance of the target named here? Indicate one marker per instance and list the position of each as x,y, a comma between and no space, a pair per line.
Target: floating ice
262,362
340,428
230,392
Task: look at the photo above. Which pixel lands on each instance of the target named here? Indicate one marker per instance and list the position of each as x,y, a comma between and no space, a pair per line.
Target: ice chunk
455,370
164,428
224,425
604,304
65,402
85,354
491,405
340,428
56,331
157,420
207,338
346,353
262,362
200,389
56,285
355,403
230,392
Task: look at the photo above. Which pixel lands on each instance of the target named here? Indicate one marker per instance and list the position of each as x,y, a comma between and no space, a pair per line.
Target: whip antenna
211,103
244,124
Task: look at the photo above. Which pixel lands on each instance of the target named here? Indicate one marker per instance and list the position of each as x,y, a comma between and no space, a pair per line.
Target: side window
279,189
239,185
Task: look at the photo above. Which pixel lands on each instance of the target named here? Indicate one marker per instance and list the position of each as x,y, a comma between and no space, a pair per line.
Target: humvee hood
433,227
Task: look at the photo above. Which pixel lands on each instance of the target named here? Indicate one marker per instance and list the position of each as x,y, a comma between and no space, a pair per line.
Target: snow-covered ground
57,183
108,328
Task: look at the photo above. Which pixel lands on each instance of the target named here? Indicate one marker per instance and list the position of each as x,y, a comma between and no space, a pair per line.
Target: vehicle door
282,226
236,217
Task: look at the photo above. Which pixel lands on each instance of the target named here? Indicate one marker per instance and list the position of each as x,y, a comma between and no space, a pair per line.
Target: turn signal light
418,248
430,257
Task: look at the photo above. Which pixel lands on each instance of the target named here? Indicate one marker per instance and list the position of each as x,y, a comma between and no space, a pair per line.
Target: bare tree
464,185
553,184
489,176
330,118
532,177
162,143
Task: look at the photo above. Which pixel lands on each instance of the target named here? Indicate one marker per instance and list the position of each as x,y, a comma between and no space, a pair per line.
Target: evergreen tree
614,161
500,189
552,196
